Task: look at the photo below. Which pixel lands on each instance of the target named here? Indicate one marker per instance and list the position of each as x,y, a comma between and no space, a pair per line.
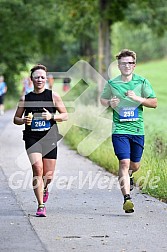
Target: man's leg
134,166
121,144
123,176
137,146
125,185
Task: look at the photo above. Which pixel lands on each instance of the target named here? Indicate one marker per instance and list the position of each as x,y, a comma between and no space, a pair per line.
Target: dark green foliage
150,12
59,33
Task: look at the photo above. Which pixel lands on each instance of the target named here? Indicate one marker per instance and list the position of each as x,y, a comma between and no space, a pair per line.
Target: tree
90,21
22,23
59,33
150,12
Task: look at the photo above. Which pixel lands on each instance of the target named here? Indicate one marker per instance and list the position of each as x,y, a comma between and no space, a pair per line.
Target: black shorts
1,99
47,147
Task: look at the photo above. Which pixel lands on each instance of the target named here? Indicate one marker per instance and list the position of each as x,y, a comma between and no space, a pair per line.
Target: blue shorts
128,146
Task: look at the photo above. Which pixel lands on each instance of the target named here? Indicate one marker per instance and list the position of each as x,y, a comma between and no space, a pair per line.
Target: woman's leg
48,170
37,167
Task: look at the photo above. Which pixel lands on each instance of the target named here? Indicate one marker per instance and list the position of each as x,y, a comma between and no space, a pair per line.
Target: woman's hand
28,119
46,115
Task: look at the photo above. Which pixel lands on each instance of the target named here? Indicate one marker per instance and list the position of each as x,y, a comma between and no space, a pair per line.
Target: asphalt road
84,210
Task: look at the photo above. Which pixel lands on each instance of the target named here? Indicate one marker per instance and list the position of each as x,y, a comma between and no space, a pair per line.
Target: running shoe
41,211
1,112
131,182
128,206
45,195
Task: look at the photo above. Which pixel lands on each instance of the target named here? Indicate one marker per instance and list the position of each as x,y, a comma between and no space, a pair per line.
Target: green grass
156,73
152,176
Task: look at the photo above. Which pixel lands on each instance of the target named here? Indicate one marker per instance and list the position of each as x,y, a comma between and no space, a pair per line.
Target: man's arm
147,102
106,95
113,103
104,102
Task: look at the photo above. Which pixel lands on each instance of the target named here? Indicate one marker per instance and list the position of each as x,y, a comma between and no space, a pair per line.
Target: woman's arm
18,119
63,115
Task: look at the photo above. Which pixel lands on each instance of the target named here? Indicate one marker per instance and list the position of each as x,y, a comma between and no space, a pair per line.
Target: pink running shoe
45,195
41,211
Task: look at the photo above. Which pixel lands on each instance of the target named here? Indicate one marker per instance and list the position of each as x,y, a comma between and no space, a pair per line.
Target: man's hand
114,102
131,94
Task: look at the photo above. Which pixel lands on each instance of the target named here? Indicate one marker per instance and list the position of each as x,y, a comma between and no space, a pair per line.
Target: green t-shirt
128,115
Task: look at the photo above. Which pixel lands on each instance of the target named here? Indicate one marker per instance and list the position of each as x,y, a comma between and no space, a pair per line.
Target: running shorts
1,99
47,147
128,146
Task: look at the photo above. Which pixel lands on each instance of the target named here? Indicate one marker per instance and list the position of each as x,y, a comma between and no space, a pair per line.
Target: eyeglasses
126,63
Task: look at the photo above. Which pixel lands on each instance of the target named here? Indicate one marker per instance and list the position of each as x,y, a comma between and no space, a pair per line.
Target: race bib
39,124
128,114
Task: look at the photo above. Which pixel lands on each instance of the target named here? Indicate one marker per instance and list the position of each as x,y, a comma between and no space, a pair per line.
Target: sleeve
4,87
147,90
107,93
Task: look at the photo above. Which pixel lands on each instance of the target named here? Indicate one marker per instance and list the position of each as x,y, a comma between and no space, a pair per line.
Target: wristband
52,116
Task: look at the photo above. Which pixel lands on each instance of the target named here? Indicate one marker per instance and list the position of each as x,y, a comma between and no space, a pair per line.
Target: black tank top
34,103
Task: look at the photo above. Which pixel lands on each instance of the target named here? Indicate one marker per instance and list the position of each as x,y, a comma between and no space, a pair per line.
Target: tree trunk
104,54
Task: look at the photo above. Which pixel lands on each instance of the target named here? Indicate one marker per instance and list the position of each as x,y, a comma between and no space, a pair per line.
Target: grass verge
152,175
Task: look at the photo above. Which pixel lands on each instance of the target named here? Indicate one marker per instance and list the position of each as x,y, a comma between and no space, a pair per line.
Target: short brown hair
36,67
126,53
